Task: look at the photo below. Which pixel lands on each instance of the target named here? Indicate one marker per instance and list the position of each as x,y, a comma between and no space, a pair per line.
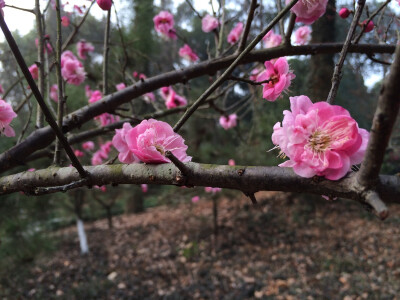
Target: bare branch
337,74
231,177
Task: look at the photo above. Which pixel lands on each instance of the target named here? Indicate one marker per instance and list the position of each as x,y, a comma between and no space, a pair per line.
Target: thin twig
40,64
372,198
279,8
106,49
250,16
61,98
337,74
357,39
180,165
32,11
49,118
192,8
248,80
228,71
290,28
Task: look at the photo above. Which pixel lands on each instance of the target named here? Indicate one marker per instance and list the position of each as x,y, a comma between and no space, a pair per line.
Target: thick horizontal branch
244,178
43,137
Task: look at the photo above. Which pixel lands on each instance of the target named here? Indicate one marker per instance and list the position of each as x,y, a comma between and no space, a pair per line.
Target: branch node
180,165
372,199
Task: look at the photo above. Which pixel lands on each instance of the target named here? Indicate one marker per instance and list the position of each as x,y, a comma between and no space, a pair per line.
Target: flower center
160,149
274,79
319,141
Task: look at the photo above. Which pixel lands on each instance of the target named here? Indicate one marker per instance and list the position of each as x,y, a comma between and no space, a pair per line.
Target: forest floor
302,248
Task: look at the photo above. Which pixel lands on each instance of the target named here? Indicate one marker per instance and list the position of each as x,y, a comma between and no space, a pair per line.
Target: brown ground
299,249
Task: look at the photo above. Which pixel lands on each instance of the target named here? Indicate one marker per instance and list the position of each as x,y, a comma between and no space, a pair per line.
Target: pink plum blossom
83,48
101,188
302,35
104,4
151,139
79,153
54,92
149,97
144,188
7,114
228,122
65,21
72,69
209,23
78,9
31,170
120,86
231,162
88,91
236,32
213,190
89,145
95,96
101,154
344,12
195,199
164,92
106,119
135,74
319,139
279,77
119,142
187,53
272,40
34,71
164,24
254,74
308,11
174,100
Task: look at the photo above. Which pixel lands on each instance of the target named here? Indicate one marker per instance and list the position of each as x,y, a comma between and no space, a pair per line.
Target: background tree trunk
321,67
135,203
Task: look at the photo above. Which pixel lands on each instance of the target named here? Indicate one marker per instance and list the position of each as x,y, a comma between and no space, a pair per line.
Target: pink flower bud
104,4
369,27
344,12
65,21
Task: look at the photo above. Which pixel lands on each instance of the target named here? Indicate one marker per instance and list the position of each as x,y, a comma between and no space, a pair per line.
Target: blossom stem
61,98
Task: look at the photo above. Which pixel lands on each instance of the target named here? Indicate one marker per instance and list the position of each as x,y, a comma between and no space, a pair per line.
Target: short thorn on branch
253,200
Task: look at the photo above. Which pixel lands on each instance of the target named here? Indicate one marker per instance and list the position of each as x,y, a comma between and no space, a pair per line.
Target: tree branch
232,177
43,137
250,16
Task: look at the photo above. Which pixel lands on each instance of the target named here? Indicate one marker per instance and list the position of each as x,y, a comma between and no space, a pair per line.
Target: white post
82,237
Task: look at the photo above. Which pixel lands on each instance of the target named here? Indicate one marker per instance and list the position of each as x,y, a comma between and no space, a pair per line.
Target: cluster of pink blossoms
172,99
236,32
187,53
7,114
148,142
319,139
209,23
72,69
164,24
308,11
279,76
101,154
105,118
